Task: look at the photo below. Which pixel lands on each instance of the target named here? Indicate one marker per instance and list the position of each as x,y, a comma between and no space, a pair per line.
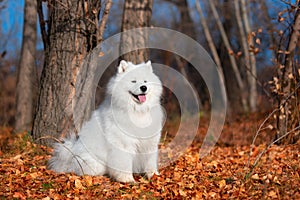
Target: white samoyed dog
122,135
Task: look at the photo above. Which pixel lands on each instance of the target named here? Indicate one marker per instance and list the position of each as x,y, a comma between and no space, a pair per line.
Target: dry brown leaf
78,184
222,183
255,177
272,194
88,181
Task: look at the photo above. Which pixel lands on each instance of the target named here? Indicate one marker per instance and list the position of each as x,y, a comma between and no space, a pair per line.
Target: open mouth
140,98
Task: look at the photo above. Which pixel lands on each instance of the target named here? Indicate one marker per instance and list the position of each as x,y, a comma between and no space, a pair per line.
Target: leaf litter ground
223,174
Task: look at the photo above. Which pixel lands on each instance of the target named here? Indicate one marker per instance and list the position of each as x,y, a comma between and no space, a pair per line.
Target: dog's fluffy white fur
122,135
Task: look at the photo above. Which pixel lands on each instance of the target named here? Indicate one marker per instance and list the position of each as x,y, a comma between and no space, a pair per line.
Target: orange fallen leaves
222,174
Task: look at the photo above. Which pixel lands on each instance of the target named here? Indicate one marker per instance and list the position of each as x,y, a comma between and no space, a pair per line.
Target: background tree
237,75
248,50
186,26
267,39
287,87
69,33
135,14
26,71
208,36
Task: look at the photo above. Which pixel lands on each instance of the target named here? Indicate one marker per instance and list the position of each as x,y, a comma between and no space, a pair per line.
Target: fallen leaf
272,194
88,181
78,184
255,177
19,195
222,183
34,175
182,193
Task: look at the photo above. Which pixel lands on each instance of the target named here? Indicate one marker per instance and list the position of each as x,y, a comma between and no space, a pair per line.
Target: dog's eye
133,81
145,81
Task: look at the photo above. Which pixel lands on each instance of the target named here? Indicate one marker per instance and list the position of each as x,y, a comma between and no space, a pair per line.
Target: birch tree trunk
26,71
136,14
210,41
234,66
252,74
242,33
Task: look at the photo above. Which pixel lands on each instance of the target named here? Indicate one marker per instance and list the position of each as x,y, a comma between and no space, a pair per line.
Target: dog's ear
149,66
123,66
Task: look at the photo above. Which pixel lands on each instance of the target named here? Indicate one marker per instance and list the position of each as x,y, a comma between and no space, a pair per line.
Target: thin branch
104,20
270,115
258,82
275,141
258,131
288,3
44,34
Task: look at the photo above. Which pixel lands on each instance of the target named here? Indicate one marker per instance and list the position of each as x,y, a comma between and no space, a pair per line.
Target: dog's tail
63,156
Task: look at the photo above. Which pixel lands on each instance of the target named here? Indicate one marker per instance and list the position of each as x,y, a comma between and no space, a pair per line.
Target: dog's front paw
124,178
150,174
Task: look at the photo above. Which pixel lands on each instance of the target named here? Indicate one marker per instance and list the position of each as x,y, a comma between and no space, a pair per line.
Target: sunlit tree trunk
252,60
234,66
210,41
26,71
136,14
242,33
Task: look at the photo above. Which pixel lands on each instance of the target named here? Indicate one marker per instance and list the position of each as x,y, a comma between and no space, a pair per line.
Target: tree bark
136,14
252,61
209,37
26,71
186,26
286,77
242,33
72,34
231,55
210,41
104,21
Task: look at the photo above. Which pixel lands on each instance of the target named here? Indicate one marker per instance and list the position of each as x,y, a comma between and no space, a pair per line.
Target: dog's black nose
143,88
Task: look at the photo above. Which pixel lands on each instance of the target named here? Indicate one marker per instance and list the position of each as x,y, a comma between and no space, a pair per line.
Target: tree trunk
234,66
136,14
210,41
72,33
252,61
286,78
209,37
26,72
186,26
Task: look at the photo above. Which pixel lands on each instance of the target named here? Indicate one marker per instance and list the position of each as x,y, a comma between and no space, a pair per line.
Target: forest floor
223,174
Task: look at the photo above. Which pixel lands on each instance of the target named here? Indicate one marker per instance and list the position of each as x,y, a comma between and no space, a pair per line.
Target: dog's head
135,86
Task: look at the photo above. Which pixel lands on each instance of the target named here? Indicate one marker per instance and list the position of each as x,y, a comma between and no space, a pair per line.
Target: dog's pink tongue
142,98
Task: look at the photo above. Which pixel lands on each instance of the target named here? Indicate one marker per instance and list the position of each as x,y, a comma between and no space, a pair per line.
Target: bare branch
270,115
42,24
104,20
275,141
